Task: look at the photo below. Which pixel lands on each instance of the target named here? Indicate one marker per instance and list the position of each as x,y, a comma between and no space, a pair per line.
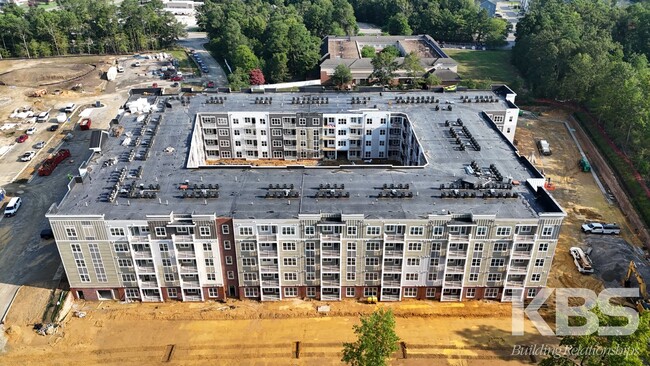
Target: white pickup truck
601,228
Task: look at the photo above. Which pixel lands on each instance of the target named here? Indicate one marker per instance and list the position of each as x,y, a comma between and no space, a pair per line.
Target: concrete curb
13,298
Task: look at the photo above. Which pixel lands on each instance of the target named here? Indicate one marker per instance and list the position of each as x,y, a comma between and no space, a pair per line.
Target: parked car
47,234
205,70
53,128
210,84
28,156
22,138
31,131
177,78
43,117
13,206
69,108
136,64
40,145
543,147
120,69
601,228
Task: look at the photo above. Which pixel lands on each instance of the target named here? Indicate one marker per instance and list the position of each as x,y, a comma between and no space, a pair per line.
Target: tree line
86,27
447,20
594,53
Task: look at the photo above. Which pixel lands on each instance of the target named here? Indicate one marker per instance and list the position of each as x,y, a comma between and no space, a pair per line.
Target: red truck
85,124
51,163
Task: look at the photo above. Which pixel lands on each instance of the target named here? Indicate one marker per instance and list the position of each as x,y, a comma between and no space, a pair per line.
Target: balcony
518,269
190,283
189,269
518,253
331,253
269,269
332,268
146,269
142,254
392,283
151,298
269,283
457,253
455,269
192,298
268,253
450,297
514,283
330,283
148,284
394,237
186,254
330,237
394,253
453,283
393,268
139,239
524,238
458,238
267,238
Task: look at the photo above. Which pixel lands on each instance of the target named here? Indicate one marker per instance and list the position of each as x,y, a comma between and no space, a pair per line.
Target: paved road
196,40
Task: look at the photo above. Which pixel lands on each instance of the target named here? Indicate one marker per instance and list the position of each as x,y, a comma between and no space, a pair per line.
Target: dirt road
251,333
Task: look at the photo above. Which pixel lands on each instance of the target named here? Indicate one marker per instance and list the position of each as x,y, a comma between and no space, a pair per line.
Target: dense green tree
384,67
342,76
368,51
245,59
412,66
391,50
432,80
376,340
398,24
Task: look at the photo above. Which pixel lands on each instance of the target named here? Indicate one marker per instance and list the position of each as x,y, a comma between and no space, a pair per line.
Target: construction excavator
642,303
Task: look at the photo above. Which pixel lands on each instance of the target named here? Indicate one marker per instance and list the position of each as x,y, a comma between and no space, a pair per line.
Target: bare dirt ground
252,333
578,194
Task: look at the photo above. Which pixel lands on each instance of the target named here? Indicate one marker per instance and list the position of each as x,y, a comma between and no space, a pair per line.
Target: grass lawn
185,64
485,65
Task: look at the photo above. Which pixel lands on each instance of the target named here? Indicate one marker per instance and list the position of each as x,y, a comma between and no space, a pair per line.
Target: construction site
294,332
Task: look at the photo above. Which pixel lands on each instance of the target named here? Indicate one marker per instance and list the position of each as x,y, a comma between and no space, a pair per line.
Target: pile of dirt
611,257
45,75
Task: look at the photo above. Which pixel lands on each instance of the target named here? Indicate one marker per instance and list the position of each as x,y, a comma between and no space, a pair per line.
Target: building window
525,229
164,247
494,277
117,231
497,262
417,230
228,260
251,292
352,246
172,292
412,276
471,293
169,277
432,277
98,264
373,246
369,291
231,275
160,231
372,276
132,293
290,292
247,247
473,277
351,276
128,277
373,230
213,292
289,246
288,230
71,232
121,247
500,247
166,262
291,276
124,263
410,292
207,247
438,230
413,261
535,277
539,262
311,291
491,293
434,262
84,276
225,229
372,261
414,247
481,231
352,231
547,231
543,247
350,292
246,231
250,276
476,262
431,293
204,230
504,230
290,261
310,230
226,245
478,247
531,292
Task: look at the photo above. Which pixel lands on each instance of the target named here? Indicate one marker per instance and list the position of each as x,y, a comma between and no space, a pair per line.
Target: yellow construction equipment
38,93
642,304
371,300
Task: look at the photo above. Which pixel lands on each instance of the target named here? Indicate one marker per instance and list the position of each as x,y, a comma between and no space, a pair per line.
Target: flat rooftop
350,47
242,190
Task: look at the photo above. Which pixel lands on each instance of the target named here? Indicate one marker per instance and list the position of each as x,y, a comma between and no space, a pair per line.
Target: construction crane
642,303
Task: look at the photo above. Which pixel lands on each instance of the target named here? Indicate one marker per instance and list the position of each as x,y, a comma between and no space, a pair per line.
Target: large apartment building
394,195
